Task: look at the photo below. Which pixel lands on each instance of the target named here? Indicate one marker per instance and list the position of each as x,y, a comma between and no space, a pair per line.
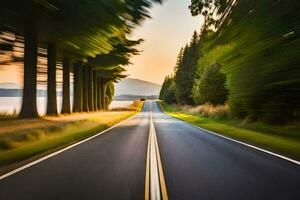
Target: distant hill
131,86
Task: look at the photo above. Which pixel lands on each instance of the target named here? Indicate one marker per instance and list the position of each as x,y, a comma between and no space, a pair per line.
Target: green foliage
213,11
210,88
80,28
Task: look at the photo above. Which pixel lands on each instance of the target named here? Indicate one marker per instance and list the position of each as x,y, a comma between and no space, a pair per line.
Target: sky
170,28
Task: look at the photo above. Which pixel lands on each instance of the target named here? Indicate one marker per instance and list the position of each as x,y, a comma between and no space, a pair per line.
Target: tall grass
25,143
208,110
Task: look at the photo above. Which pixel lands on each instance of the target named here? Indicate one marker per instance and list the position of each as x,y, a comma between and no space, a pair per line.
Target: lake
10,105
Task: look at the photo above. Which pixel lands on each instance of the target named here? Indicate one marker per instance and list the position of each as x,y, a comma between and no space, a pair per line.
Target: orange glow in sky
170,28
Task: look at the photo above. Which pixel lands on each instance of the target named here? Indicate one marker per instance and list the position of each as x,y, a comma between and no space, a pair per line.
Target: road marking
147,178
242,143
155,184
161,172
60,151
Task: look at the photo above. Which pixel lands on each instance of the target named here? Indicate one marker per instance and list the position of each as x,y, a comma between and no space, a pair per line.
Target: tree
211,87
51,89
213,11
66,87
184,77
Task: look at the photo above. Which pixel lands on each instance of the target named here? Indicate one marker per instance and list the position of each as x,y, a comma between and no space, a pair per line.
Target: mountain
130,86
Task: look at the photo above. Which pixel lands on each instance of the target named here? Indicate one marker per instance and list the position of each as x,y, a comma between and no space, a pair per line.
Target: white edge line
60,151
242,143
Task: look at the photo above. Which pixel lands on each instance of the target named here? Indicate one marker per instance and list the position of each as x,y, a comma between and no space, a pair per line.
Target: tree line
246,55
88,37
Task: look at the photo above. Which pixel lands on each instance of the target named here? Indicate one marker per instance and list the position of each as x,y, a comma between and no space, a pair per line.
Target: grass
280,139
57,132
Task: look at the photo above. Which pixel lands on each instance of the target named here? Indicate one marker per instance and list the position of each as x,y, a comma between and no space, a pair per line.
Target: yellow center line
155,184
163,186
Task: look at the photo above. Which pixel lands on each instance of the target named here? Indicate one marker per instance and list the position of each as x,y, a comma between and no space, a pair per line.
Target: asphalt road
196,164
199,165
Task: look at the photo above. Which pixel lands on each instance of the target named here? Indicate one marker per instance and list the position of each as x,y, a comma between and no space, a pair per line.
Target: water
11,105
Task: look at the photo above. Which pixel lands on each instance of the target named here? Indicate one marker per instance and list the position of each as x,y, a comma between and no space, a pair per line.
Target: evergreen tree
179,60
184,77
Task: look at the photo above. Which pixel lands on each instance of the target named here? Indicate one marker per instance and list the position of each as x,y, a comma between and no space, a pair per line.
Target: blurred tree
210,88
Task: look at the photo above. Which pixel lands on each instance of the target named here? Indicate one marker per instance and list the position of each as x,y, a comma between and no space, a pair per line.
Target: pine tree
184,77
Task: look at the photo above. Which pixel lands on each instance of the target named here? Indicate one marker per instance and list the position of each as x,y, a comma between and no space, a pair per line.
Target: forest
245,57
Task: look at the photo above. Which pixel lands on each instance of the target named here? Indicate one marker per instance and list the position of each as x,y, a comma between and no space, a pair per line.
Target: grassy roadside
281,139
15,146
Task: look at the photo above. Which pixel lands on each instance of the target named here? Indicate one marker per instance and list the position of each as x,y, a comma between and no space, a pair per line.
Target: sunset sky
170,28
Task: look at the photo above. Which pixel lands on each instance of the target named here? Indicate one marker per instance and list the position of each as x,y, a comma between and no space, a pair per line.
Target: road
196,165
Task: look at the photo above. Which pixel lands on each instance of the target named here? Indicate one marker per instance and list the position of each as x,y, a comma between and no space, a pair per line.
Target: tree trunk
95,88
66,87
29,109
77,88
99,94
51,84
85,89
103,94
106,103
90,89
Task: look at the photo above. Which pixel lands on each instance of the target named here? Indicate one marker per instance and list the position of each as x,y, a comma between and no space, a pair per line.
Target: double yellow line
155,184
